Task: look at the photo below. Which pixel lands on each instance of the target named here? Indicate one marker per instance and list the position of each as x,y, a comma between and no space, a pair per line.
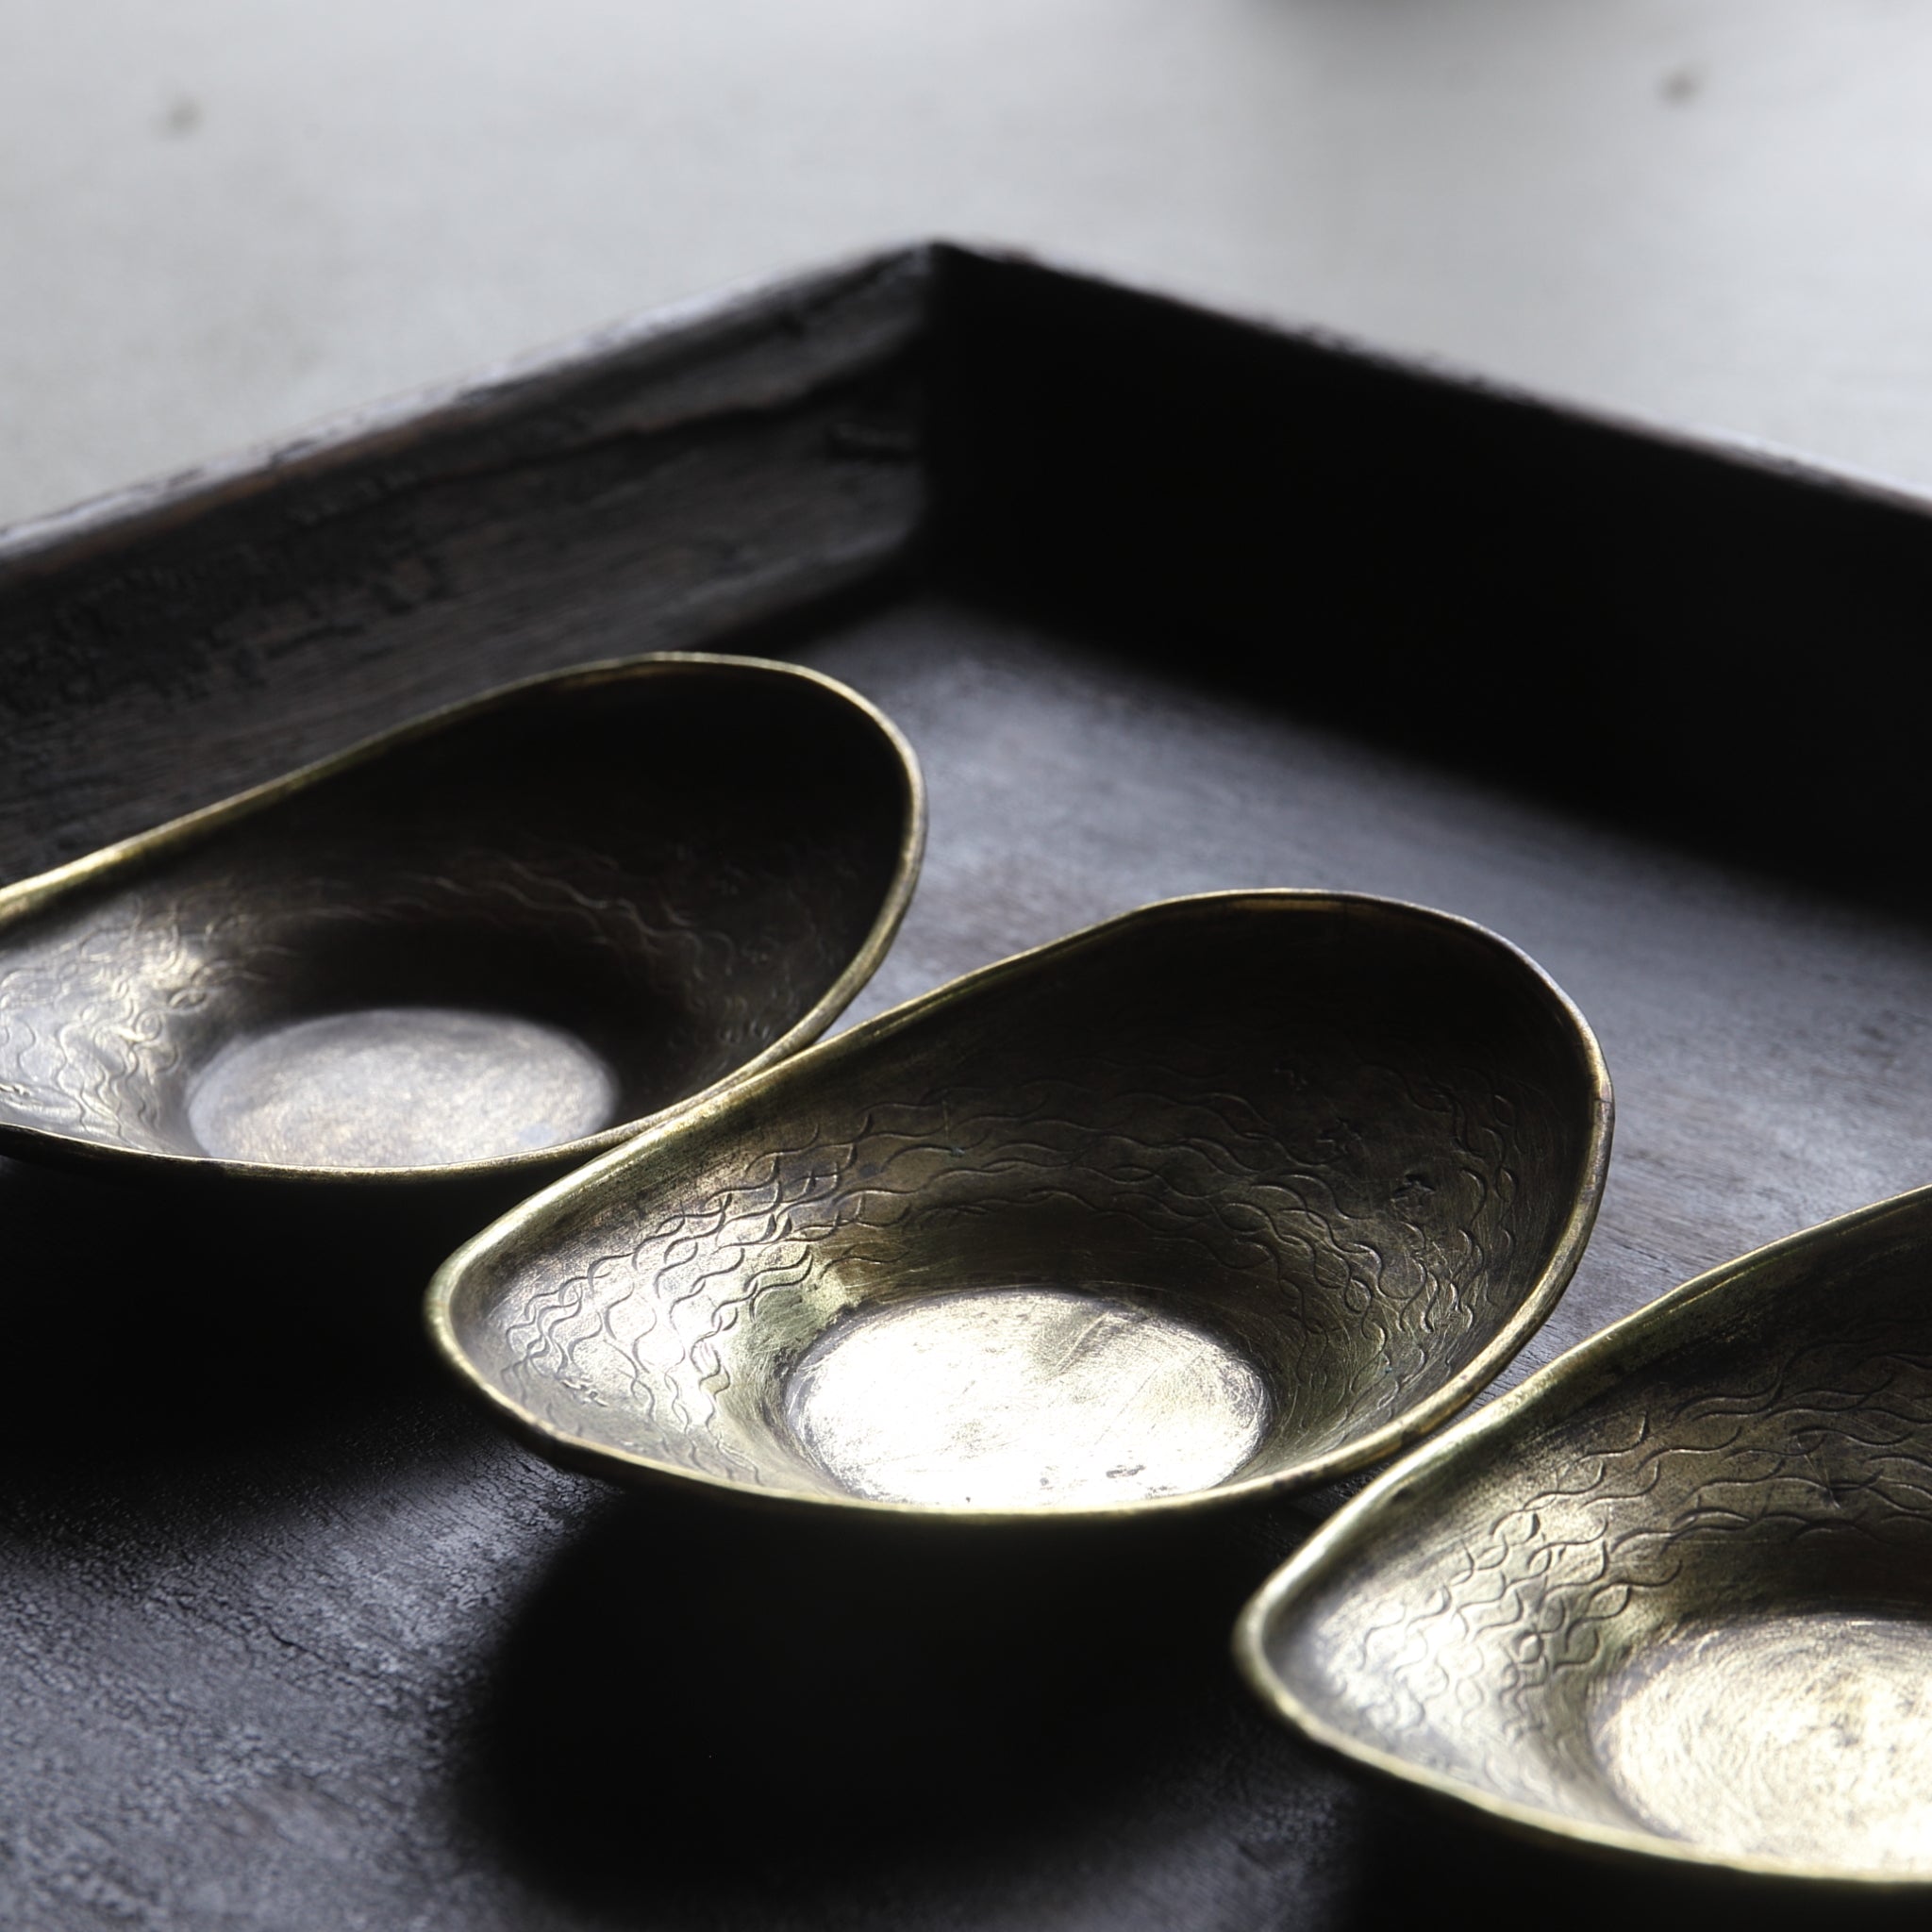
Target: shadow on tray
151,1327
708,1711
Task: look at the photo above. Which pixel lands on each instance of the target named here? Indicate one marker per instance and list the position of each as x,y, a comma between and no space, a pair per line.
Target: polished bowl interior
1672,1596
1229,1194
493,941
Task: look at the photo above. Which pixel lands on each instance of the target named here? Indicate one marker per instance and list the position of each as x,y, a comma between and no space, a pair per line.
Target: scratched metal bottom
399,1087
1005,1397
1802,1733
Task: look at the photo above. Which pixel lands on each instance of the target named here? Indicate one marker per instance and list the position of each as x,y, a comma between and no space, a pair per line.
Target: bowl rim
24,897
1600,1361
562,1446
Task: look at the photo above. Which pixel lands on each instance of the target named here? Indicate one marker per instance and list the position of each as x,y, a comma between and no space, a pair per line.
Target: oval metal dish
1673,1595
1224,1197
485,944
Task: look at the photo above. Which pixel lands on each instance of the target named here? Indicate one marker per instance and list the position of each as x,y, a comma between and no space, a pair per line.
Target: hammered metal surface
1230,1193
1675,1594
501,935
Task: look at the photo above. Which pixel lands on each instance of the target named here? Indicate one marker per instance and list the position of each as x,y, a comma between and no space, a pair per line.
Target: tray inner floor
294,1637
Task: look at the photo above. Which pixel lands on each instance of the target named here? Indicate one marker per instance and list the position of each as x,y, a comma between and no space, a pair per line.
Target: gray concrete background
223,219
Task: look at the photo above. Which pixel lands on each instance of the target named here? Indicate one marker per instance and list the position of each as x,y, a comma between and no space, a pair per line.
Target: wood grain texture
290,1637
637,494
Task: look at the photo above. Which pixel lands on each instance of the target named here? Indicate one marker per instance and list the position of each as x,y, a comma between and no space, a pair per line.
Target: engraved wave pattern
1381,1295
1490,1632
102,1014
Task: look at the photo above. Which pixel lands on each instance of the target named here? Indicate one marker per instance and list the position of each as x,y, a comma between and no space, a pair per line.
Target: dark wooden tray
292,1637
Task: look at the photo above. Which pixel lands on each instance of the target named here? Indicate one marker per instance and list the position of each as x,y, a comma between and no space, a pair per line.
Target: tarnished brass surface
1226,1197
1672,1596
490,942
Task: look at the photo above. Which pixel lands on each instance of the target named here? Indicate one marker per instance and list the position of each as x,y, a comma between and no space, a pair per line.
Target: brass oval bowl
1673,1595
1227,1197
484,945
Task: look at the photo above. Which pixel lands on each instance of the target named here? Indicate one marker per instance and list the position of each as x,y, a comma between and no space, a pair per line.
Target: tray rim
559,1445
1598,1360
22,897
1734,448
497,388
649,340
